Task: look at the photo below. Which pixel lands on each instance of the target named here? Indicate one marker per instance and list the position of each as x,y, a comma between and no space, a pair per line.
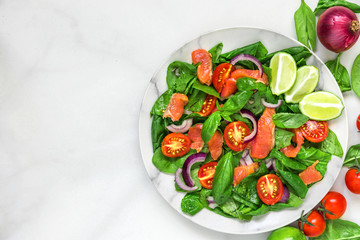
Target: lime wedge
321,106
307,77
283,72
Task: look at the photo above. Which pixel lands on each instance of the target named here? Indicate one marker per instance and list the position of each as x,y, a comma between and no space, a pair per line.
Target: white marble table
73,74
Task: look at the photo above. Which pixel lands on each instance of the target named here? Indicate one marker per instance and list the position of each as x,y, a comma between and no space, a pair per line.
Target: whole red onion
338,29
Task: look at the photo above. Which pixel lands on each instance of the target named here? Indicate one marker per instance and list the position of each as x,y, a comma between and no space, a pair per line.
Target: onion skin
338,29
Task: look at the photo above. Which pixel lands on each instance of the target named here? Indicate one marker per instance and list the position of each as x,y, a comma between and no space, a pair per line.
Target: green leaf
340,73
166,164
256,49
161,103
340,230
206,89
309,155
298,53
289,120
210,126
179,74
196,100
236,102
216,52
325,4
352,153
287,162
223,179
330,145
355,76
158,131
305,24
295,182
294,201
282,138
191,204
255,105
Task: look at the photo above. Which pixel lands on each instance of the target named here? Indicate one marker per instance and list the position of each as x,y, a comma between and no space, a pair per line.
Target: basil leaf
215,53
169,165
294,201
309,155
223,179
325,4
298,53
161,103
246,83
210,126
206,89
179,74
340,230
282,138
330,145
289,120
158,131
191,204
236,102
355,76
340,73
295,182
352,153
287,162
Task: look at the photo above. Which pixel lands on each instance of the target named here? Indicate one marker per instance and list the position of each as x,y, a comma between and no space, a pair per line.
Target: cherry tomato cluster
332,206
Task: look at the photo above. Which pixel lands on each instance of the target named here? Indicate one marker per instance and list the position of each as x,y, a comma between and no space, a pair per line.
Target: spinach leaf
232,208
282,138
294,201
298,53
294,107
325,4
305,24
206,89
204,194
355,76
210,125
330,145
340,73
340,230
223,179
158,131
255,105
179,74
352,153
161,103
247,83
256,49
215,53
166,164
259,211
287,162
196,100
289,120
236,102
295,182
191,204
309,155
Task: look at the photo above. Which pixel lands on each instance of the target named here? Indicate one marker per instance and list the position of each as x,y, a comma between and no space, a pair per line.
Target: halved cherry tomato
208,105
317,220
358,122
206,174
175,145
315,131
229,87
221,73
352,180
204,70
234,135
270,189
335,203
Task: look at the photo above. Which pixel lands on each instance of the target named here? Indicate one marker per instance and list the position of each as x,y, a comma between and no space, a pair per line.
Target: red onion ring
184,127
180,183
274,165
242,57
268,162
285,196
271,105
194,158
249,115
211,202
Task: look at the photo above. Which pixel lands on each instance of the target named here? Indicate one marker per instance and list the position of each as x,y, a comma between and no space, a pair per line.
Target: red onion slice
274,165
249,115
242,160
194,158
242,57
269,162
183,128
211,202
271,105
248,160
180,183
285,196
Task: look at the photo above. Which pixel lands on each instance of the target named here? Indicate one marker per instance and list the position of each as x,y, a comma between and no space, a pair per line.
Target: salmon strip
215,145
241,172
176,105
298,138
310,174
195,136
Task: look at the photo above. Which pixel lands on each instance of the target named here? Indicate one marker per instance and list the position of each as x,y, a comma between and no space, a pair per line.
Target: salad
243,132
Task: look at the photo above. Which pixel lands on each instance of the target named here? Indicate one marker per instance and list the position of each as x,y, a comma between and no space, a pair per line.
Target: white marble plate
234,38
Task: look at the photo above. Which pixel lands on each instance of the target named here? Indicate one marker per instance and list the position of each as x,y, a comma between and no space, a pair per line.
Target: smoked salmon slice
310,174
215,145
298,138
195,136
265,140
176,105
255,74
204,70
241,172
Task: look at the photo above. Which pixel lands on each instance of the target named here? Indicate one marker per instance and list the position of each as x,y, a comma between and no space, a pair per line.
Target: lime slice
283,73
307,77
321,106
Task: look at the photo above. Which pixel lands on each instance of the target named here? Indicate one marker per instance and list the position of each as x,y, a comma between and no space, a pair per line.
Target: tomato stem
303,220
